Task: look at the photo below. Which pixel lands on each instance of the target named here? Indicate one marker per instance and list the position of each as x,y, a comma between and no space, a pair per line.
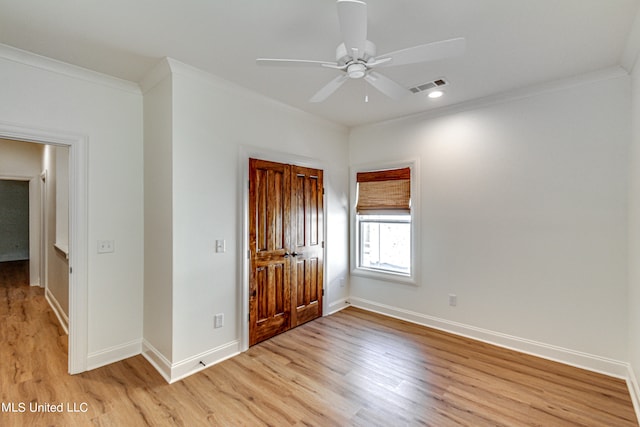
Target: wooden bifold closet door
286,244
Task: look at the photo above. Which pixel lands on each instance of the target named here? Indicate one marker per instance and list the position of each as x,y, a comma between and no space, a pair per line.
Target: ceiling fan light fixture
356,71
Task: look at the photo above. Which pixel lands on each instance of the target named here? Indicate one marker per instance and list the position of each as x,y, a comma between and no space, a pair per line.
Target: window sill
385,276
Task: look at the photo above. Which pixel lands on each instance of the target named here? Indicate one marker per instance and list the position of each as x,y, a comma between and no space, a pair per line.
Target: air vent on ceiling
429,85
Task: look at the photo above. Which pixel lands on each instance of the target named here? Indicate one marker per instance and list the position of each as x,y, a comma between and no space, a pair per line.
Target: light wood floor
352,368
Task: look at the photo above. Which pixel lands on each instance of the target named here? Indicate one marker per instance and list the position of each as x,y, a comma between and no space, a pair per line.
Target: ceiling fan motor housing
343,57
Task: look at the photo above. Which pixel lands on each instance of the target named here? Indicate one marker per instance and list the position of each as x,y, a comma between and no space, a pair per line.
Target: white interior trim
181,68
337,306
78,244
173,372
112,354
632,47
199,362
57,310
157,360
634,390
516,94
44,63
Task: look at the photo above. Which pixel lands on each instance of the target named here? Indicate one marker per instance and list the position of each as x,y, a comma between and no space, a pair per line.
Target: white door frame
42,179
78,236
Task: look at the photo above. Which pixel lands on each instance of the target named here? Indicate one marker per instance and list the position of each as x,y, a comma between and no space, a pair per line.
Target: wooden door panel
270,287
269,217
314,200
271,209
306,281
307,213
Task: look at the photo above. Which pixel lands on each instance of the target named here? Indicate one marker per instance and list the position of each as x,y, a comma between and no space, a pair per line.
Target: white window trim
413,278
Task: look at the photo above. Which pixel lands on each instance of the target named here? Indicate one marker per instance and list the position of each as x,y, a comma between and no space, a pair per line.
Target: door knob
286,254
296,253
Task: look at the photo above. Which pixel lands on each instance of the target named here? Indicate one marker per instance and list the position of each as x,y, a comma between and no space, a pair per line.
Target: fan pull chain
366,91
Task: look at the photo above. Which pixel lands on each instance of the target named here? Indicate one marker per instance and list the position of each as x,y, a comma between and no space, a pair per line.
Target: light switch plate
221,246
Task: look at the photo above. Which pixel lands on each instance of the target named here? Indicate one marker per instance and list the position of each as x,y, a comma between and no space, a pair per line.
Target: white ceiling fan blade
329,88
274,62
426,52
352,15
386,85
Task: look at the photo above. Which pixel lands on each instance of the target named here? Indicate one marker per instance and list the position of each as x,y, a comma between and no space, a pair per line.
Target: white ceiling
510,43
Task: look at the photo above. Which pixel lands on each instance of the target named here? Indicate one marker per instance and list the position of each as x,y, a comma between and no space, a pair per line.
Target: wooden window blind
386,191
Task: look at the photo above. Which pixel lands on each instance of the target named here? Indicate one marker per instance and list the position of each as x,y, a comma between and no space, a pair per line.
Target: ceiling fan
356,56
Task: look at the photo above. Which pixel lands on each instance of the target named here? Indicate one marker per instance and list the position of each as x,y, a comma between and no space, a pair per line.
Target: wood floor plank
354,368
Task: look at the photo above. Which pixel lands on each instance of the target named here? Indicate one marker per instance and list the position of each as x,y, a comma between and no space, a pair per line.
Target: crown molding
180,68
157,74
30,59
632,46
512,95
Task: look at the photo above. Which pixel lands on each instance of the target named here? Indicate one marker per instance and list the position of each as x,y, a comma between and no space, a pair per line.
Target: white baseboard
157,360
57,309
337,306
603,365
173,372
634,390
113,354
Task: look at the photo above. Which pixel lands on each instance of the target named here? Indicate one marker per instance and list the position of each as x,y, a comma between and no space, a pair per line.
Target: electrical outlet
106,246
453,300
218,320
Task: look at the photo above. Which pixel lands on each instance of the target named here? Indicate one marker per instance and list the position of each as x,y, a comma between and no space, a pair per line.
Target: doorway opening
76,246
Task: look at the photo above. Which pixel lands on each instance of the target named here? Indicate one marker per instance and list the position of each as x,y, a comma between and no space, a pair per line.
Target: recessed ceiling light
435,94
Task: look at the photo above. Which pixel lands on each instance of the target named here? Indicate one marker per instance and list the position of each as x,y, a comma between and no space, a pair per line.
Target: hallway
34,346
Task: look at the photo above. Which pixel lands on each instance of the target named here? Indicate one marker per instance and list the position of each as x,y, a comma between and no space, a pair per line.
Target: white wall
158,219
634,231
524,213
214,125
57,264
45,94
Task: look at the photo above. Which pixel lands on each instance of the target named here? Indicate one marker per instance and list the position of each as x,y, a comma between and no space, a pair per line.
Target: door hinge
70,270
323,191
323,292
323,244
249,254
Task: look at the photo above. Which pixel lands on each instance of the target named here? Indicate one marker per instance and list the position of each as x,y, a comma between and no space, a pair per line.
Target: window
383,223
385,243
